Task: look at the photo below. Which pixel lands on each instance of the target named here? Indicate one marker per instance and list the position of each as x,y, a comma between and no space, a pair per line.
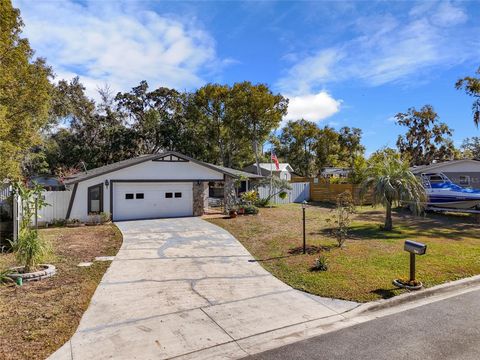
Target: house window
464,180
139,196
129,196
168,195
178,194
95,199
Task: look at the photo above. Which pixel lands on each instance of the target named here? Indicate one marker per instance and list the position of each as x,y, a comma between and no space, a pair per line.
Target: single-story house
166,184
285,170
48,183
465,172
335,172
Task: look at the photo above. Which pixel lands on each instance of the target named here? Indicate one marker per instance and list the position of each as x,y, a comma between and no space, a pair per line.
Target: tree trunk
388,218
257,161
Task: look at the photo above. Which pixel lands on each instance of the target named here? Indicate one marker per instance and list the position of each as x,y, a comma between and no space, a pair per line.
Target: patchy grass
39,317
371,259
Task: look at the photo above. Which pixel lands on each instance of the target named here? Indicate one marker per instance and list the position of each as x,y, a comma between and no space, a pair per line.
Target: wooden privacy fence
321,190
299,193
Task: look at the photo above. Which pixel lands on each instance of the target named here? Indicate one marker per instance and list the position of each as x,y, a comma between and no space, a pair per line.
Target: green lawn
364,269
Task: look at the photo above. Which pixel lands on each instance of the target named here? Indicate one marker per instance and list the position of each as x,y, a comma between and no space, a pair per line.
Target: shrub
263,202
104,217
4,278
30,249
58,222
249,197
283,195
320,264
251,210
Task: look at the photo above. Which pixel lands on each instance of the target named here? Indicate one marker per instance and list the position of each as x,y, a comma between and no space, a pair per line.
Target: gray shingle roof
143,158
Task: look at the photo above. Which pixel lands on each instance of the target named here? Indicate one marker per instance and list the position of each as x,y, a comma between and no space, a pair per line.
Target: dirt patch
39,317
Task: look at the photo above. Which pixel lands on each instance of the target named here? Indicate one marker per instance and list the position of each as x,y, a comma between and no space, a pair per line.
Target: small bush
105,217
283,195
58,222
251,210
249,197
4,278
320,264
262,202
30,249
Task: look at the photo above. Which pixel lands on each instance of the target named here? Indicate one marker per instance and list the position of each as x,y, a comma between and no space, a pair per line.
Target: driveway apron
186,288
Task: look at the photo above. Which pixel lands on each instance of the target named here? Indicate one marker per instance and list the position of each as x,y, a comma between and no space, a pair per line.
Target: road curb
448,287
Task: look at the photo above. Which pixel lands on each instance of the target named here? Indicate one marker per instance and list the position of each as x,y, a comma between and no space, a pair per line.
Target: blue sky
340,63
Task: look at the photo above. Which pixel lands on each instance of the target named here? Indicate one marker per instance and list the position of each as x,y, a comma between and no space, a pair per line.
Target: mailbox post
414,248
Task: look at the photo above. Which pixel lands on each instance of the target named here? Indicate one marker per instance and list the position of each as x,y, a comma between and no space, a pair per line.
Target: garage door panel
152,200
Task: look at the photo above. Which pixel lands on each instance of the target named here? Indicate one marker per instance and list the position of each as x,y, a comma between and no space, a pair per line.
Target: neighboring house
335,172
149,186
49,183
266,169
464,172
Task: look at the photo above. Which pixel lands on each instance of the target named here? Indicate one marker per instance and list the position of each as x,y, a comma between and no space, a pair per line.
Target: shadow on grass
384,293
272,258
374,232
311,249
365,232
449,225
322,204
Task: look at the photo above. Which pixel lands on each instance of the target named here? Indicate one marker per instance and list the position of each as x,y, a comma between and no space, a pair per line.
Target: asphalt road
447,329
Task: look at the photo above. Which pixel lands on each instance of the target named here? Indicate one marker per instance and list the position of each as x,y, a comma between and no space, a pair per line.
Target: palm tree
392,183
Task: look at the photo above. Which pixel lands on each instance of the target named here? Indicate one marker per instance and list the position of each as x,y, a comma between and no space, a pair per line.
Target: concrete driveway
187,288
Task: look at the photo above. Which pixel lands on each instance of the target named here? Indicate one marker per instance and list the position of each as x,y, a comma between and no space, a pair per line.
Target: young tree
391,182
297,144
471,85
25,92
427,138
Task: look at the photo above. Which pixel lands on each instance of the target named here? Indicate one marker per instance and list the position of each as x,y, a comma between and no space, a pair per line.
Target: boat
443,193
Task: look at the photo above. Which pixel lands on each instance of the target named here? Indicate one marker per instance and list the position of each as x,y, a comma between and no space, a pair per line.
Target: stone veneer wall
229,193
200,198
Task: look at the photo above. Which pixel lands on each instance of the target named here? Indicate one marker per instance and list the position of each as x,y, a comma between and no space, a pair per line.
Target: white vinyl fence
57,206
299,193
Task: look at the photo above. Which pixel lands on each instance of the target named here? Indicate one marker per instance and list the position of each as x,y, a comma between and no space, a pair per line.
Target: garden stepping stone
104,258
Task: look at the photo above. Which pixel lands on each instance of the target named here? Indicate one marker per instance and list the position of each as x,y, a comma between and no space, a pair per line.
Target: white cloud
312,107
389,49
118,43
310,71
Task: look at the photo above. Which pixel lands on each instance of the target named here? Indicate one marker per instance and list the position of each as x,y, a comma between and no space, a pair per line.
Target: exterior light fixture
107,183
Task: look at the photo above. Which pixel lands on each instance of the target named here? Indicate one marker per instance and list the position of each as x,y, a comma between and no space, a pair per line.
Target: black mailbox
415,247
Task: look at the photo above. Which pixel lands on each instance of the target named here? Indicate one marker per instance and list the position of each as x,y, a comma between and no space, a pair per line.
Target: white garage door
152,200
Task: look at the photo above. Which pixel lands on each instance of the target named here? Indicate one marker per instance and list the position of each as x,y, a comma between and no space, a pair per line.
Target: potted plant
233,213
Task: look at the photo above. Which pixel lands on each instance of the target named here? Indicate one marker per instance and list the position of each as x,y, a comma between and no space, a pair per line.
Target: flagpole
271,170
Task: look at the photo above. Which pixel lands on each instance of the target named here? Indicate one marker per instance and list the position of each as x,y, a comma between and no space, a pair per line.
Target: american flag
275,160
